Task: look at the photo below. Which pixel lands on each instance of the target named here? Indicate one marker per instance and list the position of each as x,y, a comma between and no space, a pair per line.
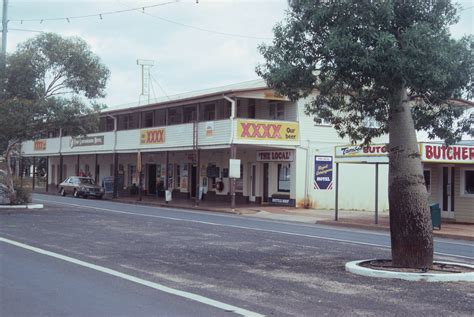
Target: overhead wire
199,28
161,88
100,15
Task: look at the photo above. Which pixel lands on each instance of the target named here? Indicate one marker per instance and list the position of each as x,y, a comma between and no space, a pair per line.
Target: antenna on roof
146,65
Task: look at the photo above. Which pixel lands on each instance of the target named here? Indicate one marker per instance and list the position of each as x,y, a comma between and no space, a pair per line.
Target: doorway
447,191
151,179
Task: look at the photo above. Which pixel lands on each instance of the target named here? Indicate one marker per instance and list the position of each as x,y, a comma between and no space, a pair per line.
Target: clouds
187,57
182,38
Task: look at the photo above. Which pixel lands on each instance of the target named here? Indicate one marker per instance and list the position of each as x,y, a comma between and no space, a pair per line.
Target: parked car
80,187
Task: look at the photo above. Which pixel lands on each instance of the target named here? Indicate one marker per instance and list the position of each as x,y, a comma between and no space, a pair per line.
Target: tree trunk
9,178
410,220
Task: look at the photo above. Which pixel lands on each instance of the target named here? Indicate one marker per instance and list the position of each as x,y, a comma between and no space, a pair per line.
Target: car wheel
99,197
62,192
75,194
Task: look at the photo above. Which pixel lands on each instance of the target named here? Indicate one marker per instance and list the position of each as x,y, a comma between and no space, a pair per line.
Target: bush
22,197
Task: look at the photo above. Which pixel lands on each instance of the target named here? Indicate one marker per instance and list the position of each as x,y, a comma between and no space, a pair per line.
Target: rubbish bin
435,216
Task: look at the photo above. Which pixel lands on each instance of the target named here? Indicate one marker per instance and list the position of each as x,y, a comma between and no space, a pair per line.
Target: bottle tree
392,62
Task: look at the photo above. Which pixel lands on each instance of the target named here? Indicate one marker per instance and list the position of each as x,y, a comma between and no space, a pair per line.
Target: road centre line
247,228
187,295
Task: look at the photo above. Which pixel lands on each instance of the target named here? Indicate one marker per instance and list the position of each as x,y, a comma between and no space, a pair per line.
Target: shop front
449,176
448,173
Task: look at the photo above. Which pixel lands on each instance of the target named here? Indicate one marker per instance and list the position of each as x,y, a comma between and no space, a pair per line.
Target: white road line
191,296
247,228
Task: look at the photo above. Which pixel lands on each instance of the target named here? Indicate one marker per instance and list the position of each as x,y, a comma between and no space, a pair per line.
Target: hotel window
223,109
189,114
321,121
209,113
109,124
467,182
147,119
251,109
276,110
160,118
128,121
175,115
284,177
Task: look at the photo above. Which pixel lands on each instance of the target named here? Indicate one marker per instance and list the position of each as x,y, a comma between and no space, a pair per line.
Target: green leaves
51,65
366,51
49,82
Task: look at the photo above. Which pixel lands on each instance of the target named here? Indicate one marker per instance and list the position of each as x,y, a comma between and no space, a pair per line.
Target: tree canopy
48,83
357,53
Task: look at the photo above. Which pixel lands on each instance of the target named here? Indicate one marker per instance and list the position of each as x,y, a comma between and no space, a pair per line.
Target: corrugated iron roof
247,85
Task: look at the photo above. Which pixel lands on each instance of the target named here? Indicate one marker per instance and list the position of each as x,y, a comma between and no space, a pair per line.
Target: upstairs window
160,117
321,121
189,114
128,121
175,115
251,109
209,112
276,111
147,119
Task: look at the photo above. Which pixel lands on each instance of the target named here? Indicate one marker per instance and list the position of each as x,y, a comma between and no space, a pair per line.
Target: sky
193,45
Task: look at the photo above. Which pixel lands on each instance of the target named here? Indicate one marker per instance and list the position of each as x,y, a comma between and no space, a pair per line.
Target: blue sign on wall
323,172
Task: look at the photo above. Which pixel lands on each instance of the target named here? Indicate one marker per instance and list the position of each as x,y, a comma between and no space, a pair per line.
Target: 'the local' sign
451,154
152,136
274,156
265,130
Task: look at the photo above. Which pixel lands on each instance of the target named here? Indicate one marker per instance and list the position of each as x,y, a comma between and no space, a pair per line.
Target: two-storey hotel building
184,144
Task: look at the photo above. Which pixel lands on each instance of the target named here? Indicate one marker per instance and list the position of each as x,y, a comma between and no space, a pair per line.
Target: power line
201,29
100,15
161,88
26,30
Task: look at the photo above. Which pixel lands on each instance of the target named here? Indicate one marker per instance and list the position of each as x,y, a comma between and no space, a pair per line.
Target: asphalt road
39,285
268,267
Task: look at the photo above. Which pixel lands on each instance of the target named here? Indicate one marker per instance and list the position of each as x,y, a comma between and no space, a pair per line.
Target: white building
285,157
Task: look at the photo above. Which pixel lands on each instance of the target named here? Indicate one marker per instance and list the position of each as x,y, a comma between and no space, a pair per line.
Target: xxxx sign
264,130
152,136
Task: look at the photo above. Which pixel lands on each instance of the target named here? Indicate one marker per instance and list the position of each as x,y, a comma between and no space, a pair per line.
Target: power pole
4,27
3,57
